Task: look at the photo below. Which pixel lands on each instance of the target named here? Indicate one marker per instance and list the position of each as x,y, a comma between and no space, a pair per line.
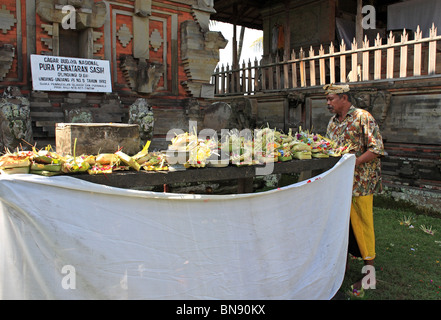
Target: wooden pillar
287,30
234,58
359,29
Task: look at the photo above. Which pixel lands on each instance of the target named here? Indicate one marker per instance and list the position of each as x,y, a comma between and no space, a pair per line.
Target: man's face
336,103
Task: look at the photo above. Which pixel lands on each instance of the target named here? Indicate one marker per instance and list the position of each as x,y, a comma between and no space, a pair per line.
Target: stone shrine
159,51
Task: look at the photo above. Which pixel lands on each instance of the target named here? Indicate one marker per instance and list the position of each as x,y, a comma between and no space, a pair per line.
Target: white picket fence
393,59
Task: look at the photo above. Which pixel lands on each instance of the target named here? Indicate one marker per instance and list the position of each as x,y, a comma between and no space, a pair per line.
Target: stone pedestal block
95,138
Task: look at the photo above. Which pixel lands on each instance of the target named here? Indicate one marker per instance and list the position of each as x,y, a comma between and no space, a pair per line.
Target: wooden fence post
266,74
331,63
311,67
243,78
390,56
377,58
229,80
285,72
278,79
354,61
322,66
342,62
417,53
250,78
257,74
294,69
365,71
403,54
263,76
432,50
270,73
302,68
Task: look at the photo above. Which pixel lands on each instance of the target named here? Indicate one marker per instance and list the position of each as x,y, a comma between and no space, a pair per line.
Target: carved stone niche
72,30
141,76
88,14
77,3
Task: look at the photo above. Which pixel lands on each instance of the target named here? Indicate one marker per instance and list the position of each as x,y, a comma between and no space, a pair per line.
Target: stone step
45,123
41,104
47,115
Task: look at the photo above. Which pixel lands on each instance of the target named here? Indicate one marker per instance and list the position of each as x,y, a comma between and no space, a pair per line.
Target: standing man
358,128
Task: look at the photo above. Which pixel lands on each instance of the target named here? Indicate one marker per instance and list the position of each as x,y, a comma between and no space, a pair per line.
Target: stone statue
140,112
15,121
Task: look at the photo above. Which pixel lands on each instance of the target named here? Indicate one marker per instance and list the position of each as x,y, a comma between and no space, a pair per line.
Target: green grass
408,261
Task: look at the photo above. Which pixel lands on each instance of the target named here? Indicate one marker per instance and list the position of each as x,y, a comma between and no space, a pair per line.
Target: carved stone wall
71,23
7,53
142,40
15,121
141,76
11,43
200,55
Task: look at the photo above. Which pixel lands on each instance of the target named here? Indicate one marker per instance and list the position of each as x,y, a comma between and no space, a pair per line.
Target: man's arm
366,157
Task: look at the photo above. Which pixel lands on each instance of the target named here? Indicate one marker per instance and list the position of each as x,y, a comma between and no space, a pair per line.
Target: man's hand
365,157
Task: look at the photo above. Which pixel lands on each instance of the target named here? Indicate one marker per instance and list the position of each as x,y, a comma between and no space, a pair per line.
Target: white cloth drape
414,13
64,238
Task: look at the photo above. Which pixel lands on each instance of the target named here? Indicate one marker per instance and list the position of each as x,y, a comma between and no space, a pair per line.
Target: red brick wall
10,37
182,11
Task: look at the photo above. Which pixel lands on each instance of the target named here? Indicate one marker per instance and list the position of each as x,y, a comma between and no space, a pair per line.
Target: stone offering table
244,174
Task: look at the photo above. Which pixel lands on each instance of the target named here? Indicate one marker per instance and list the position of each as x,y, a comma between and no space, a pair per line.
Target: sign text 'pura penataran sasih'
70,74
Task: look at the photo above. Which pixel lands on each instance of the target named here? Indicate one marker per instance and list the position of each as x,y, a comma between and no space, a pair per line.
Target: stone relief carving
97,46
7,53
376,102
201,13
200,55
141,75
48,28
124,35
156,40
235,114
141,113
7,19
15,120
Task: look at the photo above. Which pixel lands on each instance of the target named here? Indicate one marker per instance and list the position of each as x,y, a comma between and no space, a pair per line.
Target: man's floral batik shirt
360,130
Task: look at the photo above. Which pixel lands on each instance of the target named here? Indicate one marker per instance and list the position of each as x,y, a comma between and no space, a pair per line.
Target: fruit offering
236,148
